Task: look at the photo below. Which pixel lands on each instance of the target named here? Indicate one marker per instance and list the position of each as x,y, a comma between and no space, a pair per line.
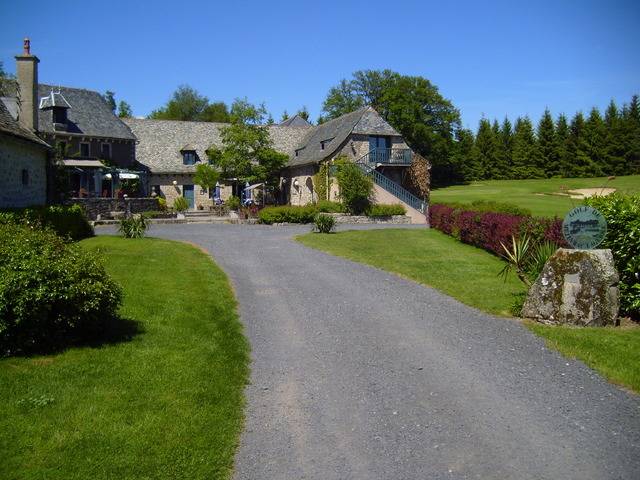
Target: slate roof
89,114
333,133
161,141
295,121
11,127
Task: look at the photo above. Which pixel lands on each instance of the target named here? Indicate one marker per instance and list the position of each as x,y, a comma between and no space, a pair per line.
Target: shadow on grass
112,331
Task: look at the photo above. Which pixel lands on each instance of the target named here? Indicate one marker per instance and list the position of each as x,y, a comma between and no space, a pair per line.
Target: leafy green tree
247,151
356,188
8,85
525,150
187,104
110,98
547,160
124,110
215,112
206,176
412,105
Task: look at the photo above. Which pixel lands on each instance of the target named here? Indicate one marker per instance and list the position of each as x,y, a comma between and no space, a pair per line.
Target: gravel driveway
360,374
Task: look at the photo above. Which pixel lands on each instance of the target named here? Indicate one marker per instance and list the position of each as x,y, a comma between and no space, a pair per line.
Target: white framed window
189,157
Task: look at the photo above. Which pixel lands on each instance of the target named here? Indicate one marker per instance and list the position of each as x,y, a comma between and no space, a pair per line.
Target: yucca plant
525,259
133,227
324,223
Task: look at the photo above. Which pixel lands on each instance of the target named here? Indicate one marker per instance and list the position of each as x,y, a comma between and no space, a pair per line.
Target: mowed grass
168,403
613,351
429,257
536,195
470,275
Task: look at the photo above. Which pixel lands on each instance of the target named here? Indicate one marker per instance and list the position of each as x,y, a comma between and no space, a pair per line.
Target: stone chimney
27,73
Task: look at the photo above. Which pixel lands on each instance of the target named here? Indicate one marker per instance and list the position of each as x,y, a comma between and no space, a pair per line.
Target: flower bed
488,230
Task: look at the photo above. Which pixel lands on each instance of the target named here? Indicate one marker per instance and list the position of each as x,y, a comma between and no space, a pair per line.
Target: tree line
591,146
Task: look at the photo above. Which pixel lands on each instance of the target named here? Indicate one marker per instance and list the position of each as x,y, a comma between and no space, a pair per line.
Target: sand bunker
581,193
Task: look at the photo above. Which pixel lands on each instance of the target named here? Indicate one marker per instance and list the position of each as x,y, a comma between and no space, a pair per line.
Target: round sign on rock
584,227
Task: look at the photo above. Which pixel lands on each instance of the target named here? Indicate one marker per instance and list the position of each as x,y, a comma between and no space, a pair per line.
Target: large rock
577,287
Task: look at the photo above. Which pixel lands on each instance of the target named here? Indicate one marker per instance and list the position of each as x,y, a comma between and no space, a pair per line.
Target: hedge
623,238
52,292
67,221
488,229
306,214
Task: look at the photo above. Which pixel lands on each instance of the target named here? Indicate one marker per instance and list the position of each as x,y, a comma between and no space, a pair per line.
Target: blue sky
489,58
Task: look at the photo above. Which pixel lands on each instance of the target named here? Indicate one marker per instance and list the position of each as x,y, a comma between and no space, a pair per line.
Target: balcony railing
388,156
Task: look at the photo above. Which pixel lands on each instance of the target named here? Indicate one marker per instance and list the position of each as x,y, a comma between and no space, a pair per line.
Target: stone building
91,141
23,164
171,150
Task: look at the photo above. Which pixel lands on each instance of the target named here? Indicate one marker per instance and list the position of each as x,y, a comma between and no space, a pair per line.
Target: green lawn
614,352
168,403
536,195
428,257
470,275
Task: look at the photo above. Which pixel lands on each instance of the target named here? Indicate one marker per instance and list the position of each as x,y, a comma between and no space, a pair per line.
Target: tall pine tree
505,145
615,140
562,146
595,136
486,149
525,150
548,160
631,135
464,157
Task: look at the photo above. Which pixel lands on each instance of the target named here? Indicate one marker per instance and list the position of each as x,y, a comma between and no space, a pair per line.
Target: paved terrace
360,374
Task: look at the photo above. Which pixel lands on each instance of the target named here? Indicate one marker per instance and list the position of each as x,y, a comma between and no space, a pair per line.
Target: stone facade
343,218
23,172
105,206
303,192
169,191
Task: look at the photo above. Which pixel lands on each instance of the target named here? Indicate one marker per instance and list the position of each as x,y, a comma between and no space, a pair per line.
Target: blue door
379,148
187,192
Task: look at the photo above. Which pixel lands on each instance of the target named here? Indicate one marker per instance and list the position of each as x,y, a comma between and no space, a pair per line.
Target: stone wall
16,156
169,191
342,218
303,193
104,206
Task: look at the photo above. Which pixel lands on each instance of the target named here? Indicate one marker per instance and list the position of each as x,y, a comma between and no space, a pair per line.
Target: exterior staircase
388,191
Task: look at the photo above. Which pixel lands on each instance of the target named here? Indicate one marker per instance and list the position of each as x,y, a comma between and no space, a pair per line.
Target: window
105,151
84,149
25,177
323,143
59,115
189,157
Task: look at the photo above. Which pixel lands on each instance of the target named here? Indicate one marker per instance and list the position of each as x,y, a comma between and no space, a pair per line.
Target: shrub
491,206
489,230
162,204
67,221
133,227
325,206
51,292
287,214
324,223
181,204
233,203
623,238
385,210
356,188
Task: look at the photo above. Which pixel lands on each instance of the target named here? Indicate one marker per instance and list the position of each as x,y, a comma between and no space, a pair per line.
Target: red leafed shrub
488,230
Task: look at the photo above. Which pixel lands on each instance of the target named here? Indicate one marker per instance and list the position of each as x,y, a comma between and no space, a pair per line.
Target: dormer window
299,150
59,115
188,157
323,143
